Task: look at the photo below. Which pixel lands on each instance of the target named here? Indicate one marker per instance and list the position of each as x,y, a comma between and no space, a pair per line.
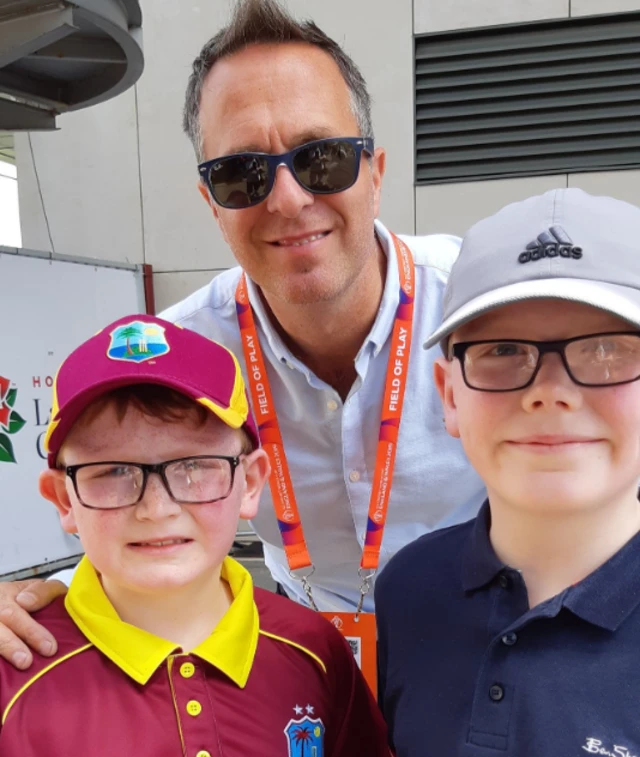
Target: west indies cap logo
137,341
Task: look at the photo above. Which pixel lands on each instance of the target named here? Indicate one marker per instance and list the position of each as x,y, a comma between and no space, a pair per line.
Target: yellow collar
231,646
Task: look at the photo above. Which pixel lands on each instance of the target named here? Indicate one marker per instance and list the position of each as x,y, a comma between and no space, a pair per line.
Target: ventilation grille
544,98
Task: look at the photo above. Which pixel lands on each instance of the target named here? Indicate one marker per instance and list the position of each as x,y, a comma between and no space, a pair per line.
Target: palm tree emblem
302,735
128,333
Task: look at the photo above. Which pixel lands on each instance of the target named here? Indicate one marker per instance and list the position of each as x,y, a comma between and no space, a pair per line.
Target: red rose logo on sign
10,421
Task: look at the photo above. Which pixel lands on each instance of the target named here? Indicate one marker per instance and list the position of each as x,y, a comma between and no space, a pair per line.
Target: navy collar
611,593
480,564
605,598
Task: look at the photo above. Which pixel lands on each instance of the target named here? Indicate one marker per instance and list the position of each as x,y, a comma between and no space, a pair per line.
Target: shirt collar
230,648
611,593
480,564
604,598
383,324
278,347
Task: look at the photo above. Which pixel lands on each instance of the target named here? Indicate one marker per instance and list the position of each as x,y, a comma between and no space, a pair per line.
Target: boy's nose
553,386
156,502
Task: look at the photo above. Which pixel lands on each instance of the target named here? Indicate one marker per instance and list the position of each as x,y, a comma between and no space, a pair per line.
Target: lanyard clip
365,587
304,580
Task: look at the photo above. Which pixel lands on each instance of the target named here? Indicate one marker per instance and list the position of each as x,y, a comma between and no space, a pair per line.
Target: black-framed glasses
506,365
324,166
115,484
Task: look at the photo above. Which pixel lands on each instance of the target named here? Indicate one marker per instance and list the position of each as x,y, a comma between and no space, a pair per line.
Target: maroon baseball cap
143,349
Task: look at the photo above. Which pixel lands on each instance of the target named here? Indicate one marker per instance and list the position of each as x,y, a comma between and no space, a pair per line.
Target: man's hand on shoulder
19,632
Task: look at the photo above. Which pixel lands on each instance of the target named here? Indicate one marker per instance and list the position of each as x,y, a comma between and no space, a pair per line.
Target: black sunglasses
325,166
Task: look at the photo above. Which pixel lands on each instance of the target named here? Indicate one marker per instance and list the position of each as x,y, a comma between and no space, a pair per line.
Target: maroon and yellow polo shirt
274,679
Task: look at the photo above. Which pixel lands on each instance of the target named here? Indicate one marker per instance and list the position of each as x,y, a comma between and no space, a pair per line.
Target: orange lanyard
284,499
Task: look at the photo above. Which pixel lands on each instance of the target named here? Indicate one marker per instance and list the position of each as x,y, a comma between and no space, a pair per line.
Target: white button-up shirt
331,445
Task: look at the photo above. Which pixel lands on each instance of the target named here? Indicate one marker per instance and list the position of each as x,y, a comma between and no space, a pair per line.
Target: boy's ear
442,370
53,486
256,474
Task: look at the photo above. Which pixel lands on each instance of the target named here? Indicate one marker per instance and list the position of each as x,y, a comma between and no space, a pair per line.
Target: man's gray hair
267,22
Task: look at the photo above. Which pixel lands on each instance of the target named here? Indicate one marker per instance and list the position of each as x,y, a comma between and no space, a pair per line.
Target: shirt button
332,405
187,669
354,476
505,581
496,692
509,639
194,708
203,753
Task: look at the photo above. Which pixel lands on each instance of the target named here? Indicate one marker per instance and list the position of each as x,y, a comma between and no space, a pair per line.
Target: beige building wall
79,188
453,208
118,181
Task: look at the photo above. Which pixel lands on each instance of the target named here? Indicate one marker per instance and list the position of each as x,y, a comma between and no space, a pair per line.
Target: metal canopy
62,55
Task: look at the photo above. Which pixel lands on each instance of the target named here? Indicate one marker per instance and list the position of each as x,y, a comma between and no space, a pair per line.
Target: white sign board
47,307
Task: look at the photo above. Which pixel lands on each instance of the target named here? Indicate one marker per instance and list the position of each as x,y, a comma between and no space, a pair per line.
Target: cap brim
621,301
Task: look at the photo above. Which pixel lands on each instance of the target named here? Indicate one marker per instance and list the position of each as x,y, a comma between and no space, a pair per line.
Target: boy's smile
166,545
553,444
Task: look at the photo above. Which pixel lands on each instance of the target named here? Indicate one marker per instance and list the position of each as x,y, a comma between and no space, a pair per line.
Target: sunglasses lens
327,167
238,182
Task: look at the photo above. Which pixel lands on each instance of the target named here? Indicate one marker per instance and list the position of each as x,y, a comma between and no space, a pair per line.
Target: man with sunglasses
323,307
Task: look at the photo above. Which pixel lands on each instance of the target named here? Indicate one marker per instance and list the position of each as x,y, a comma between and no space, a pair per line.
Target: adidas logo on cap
551,244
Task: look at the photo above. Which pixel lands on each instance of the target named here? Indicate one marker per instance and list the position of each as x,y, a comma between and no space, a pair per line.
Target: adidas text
551,251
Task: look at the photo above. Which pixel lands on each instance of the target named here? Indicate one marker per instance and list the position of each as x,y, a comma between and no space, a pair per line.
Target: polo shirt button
505,581
187,669
203,753
194,708
332,405
354,476
509,639
496,692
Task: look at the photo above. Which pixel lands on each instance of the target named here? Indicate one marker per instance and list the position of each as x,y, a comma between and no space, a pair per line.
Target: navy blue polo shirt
466,669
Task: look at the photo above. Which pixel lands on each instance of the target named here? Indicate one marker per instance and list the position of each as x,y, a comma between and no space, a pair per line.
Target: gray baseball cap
564,244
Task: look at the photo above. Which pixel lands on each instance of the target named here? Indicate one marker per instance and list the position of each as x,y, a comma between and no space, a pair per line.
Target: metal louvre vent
543,98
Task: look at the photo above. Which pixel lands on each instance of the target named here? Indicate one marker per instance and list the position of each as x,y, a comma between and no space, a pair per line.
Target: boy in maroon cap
165,647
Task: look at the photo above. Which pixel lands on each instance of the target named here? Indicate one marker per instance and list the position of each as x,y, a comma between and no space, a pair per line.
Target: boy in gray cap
518,633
